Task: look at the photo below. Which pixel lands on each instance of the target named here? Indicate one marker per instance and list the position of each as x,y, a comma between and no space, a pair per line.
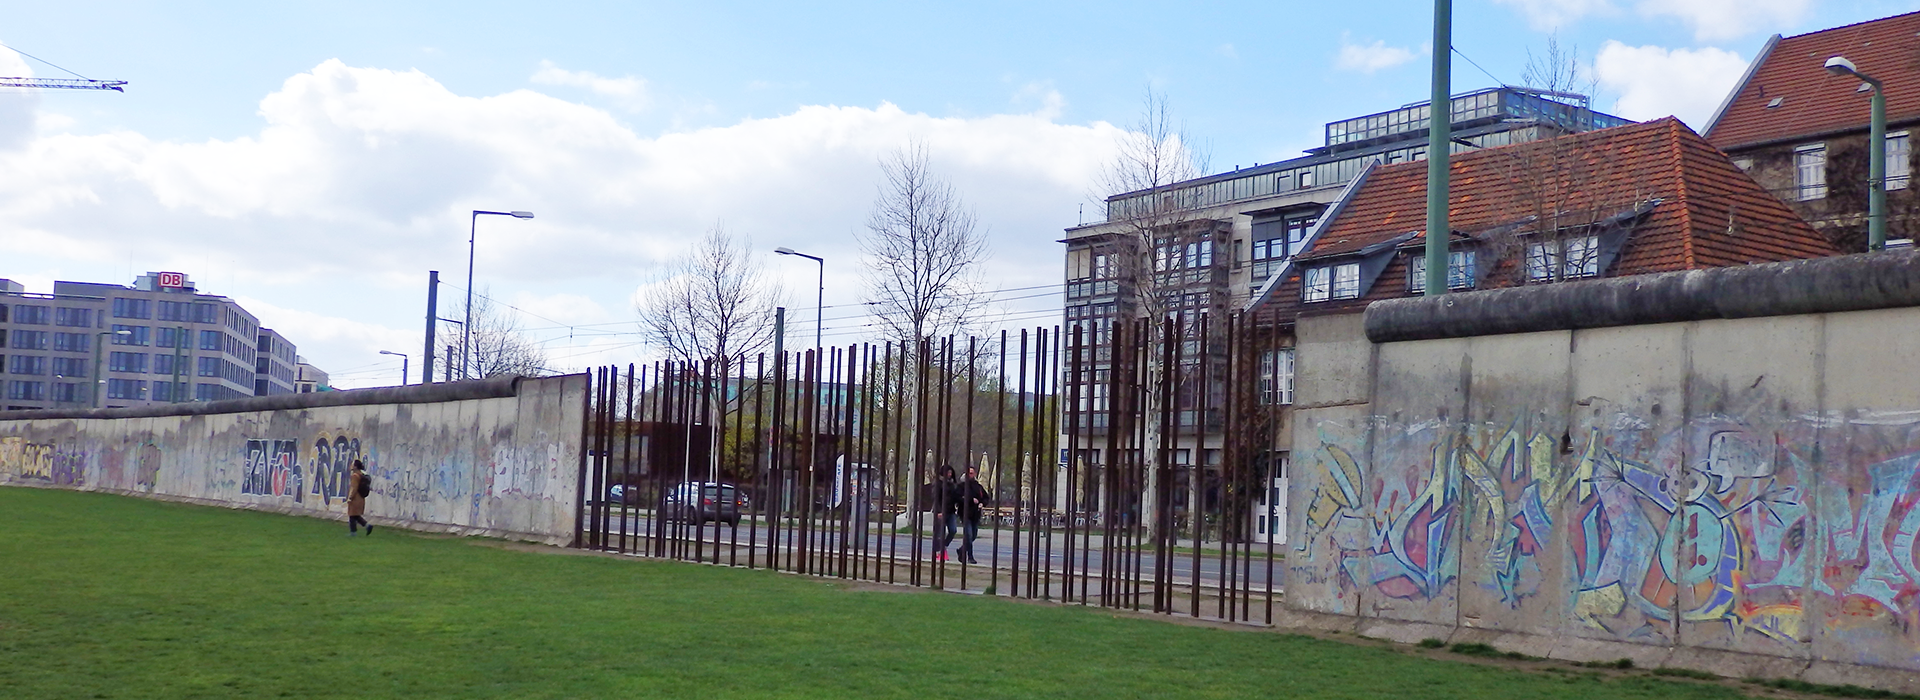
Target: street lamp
820,303
466,329
403,364
1876,156
99,349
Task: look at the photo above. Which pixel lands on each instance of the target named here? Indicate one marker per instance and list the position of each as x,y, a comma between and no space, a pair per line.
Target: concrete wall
1719,493
499,457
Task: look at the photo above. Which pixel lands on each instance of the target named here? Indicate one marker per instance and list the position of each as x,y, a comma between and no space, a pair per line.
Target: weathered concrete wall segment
1748,485
499,457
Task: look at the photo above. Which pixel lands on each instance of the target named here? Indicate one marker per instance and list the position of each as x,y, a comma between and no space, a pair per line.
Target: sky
315,160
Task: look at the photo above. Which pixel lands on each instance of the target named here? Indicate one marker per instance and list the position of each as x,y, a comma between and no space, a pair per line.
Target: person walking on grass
973,499
359,484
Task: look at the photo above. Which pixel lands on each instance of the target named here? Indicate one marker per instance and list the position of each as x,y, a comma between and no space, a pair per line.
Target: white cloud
1654,82
630,92
1716,20
360,180
1368,58
1710,20
1548,15
17,105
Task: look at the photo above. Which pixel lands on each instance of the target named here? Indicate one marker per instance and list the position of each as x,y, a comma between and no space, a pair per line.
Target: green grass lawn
113,597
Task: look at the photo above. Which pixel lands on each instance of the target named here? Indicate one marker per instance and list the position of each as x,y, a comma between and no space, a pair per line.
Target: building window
126,389
29,364
1460,271
136,335
75,367
163,364
1276,377
1899,165
1346,281
73,318
1297,229
208,367
70,342
127,362
163,391
1267,257
206,392
1580,255
203,313
32,315
1317,283
30,340
64,392
1810,172
1306,178
176,311
27,391
132,308
210,340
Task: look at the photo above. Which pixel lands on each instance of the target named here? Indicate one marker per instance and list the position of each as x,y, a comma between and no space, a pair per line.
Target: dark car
703,501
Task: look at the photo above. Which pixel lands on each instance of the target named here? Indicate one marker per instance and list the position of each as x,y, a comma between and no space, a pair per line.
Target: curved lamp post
1876,156
819,304
466,329
99,350
403,364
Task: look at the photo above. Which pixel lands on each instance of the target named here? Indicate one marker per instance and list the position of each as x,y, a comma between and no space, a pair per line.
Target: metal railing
829,463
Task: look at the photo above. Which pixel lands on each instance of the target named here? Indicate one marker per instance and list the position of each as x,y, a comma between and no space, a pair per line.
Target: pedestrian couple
957,503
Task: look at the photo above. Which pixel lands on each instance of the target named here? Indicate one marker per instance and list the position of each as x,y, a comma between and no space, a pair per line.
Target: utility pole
449,363
433,320
180,365
1439,146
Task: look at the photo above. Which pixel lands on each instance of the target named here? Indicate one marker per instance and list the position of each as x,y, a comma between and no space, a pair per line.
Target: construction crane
64,83
83,83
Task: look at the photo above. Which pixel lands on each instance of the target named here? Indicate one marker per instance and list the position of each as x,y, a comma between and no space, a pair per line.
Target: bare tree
923,252
1148,227
1564,194
1153,154
499,346
718,306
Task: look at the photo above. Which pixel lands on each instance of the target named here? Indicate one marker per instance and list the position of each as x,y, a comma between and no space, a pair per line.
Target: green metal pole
99,346
779,331
1877,173
1439,133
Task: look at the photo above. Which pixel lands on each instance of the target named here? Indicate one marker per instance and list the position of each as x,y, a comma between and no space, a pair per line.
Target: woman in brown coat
357,487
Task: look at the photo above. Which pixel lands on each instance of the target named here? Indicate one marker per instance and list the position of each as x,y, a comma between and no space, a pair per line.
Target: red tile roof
1709,212
1813,101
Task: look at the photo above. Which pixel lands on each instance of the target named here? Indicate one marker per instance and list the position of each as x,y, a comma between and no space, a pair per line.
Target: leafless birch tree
717,306
923,252
1153,155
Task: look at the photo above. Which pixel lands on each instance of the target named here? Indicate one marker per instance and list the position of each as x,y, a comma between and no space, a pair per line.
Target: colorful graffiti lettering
271,469
331,461
1706,523
42,462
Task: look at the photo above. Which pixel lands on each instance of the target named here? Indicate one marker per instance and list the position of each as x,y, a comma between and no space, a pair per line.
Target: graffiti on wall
332,460
1705,523
45,462
272,469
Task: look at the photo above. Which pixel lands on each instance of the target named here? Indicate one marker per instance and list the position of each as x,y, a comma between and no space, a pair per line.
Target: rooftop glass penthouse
1482,119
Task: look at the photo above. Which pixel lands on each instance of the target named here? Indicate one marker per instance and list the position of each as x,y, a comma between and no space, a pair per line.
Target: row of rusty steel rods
889,416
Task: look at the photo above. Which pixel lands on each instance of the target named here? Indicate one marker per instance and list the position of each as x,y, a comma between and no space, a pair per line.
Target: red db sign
173,280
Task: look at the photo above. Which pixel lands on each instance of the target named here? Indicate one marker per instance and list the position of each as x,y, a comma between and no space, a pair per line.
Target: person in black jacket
946,510
973,500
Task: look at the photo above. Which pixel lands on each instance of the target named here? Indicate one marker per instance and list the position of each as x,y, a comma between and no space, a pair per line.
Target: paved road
1052,545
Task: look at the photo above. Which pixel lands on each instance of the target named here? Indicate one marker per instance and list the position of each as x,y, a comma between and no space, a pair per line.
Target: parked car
699,502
